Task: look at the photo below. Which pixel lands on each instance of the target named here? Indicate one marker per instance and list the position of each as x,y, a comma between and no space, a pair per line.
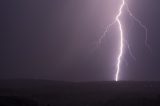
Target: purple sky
55,39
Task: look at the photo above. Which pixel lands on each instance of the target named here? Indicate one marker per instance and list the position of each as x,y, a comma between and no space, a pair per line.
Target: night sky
56,39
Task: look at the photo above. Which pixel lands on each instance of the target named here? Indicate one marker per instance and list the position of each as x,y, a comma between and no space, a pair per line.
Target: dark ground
56,93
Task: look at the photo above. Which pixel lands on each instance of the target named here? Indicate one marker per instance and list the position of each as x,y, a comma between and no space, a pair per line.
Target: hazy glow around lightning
121,39
121,34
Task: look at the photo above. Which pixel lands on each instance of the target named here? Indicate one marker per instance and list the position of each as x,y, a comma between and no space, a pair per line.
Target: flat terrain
57,93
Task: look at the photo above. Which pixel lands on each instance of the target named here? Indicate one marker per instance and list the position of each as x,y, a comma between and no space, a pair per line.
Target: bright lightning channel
122,39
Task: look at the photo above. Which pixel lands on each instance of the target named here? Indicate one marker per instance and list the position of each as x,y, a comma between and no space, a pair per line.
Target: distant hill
61,93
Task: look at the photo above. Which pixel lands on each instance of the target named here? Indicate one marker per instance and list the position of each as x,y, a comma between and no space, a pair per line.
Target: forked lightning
118,21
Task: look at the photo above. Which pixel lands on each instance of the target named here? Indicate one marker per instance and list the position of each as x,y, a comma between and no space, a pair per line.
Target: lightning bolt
122,39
